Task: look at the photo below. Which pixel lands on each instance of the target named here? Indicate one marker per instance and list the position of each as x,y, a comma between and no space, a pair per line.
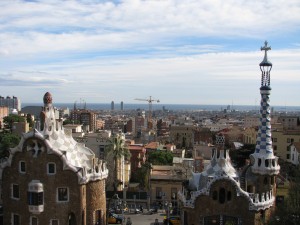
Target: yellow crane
149,100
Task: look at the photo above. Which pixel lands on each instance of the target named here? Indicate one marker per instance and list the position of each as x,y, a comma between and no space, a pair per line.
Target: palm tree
117,149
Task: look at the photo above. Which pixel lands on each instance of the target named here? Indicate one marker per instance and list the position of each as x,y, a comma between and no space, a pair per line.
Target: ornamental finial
265,48
265,61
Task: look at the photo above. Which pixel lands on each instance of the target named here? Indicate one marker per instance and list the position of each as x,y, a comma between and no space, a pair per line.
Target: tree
7,141
239,156
141,175
288,213
9,120
117,149
29,120
293,201
160,158
69,121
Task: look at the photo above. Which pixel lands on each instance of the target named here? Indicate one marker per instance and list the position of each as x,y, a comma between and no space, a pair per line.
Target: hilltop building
230,197
49,178
11,103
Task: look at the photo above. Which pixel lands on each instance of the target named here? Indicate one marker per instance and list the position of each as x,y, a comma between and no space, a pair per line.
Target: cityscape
148,166
149,112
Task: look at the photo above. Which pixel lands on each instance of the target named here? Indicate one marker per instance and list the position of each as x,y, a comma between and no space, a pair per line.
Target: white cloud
181,50
75,25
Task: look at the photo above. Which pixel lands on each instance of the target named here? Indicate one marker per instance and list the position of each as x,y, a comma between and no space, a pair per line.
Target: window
62,194
174,193
222,195
15,219
287,156
22,167
51,168
259,162
15,191
54,222
35,198
33,221
275,147
98,217
158,192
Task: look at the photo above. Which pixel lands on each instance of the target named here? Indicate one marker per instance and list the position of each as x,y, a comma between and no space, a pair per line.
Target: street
145,219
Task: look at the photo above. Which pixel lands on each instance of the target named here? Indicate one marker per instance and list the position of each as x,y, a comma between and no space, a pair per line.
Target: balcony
36,209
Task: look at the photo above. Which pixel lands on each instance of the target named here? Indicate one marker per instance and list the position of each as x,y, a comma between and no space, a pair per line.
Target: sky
177,51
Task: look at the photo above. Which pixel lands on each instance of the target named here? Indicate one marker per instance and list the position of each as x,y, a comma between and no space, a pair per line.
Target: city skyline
184,52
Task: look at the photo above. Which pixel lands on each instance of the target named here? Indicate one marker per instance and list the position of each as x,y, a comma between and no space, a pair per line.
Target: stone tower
264,165
221,194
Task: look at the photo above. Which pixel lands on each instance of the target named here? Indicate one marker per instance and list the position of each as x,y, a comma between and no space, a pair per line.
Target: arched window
273,162
267,163
222,195
259,162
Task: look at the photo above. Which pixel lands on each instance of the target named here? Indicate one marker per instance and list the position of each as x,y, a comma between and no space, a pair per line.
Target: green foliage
9,120
289,212
239,156
7,141
68,121
117,148
141,175
29,120
293,203
160,158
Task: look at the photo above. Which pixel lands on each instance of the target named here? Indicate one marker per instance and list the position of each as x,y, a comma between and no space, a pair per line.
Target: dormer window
22,167
51,168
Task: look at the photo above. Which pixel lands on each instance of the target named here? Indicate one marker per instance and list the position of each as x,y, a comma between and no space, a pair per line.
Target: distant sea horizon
174,107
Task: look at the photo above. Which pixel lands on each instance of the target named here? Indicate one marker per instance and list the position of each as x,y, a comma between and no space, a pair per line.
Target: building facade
246,198
295,153
138,156
11,103
49,178
86,117
3,113
165,183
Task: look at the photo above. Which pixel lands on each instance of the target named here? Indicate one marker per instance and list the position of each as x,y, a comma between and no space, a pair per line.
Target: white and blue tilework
264,140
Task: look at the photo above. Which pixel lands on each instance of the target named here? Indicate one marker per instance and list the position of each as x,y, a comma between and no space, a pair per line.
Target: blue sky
177,51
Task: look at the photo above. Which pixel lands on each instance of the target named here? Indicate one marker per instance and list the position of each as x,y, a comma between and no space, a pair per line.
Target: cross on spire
265,48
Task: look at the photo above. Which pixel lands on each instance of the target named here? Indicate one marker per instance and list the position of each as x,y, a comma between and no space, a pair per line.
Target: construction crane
149,100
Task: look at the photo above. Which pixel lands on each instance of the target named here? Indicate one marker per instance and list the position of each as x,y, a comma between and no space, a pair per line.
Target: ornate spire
265,67
263,159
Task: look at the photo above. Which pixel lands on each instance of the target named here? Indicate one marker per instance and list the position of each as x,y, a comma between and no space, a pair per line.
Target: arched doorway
72,219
